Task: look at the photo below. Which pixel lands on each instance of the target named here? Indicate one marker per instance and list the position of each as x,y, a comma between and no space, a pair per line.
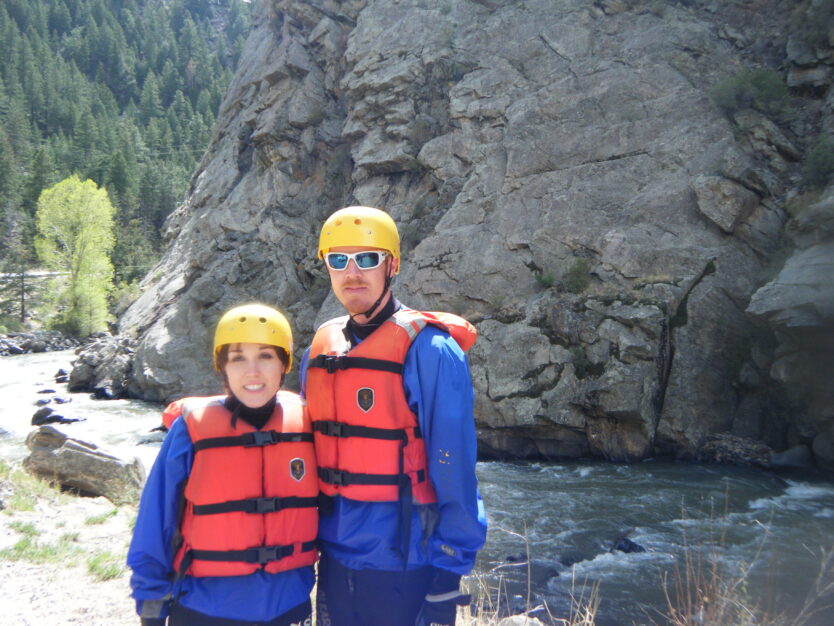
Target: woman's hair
223,359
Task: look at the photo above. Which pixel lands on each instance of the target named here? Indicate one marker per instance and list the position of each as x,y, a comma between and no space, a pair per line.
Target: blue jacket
257,597
364,535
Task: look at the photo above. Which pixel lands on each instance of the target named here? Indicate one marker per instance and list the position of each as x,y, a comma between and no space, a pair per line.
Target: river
771,528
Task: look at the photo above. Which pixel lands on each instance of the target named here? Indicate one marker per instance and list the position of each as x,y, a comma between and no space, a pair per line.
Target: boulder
730,449
102,367
823,448
35,341
796,457
83,466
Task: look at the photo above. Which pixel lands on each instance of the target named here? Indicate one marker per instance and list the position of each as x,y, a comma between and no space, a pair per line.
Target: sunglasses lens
367,260
363,260
337,261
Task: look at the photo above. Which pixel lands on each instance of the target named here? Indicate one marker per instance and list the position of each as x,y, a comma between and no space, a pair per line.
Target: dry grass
492,600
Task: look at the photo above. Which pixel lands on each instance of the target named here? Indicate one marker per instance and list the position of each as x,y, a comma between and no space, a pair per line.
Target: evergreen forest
120,92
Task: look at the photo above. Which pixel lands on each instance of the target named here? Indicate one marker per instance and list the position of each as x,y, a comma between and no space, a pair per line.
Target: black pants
181,616
347,597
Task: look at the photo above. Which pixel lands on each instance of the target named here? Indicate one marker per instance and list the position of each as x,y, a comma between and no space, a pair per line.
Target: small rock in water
43,402
46,415
46,391
103,393
61,399
41,414
627,545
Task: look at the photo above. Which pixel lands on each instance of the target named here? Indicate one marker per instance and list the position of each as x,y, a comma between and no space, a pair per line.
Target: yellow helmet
360,226
253,323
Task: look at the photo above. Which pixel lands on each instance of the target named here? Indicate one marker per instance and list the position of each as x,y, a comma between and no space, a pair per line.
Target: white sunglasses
365,260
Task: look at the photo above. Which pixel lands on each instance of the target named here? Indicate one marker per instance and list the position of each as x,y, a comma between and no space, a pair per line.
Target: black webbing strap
333,362
260,555
256,505
342,478
338,429
257,438
404,509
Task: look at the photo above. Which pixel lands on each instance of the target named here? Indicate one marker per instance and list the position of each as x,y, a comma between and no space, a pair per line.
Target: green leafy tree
75,237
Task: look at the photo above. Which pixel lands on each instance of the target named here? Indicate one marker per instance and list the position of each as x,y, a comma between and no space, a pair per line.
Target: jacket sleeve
438,386
151,553
302,373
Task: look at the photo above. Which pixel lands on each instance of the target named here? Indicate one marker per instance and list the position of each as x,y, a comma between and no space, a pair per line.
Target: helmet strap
385,290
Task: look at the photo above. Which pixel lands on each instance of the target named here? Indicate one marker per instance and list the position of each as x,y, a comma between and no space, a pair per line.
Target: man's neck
361,326
361,319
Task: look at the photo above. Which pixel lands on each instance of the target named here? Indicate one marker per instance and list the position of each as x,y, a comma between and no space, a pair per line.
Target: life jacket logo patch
365,398
297,469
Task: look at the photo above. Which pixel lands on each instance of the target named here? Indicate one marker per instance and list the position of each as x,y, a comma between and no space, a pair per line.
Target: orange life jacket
251,497
174,409
368,441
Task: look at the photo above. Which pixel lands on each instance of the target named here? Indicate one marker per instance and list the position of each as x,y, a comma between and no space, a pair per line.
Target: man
390,395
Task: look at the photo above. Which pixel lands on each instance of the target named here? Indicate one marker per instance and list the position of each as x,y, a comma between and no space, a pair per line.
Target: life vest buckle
333,476
259,438
269,553
332,429
333,362
267,505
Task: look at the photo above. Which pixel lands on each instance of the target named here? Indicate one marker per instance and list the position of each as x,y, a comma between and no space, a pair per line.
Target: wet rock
796,457
102,367
47,415
627,545
41,414
83,466
729,449
823,448
43,401
35,341
622,543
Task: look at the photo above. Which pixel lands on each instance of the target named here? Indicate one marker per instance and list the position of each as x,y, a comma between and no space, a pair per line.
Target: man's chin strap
385,288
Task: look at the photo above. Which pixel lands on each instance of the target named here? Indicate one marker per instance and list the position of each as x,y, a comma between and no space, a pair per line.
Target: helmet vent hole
262,320
338,222
357,221
243,319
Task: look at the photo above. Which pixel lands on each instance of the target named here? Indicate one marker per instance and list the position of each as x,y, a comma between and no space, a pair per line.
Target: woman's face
254,372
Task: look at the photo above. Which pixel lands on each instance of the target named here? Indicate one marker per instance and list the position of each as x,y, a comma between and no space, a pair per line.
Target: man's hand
441,602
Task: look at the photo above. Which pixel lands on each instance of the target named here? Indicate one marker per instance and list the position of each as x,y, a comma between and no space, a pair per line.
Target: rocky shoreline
35,341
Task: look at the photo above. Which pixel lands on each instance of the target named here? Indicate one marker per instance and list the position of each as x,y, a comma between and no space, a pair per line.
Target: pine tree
42,174
150,104
18,290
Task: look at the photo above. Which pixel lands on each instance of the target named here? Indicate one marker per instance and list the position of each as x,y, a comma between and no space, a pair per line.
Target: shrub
577,277
760,89
810,22
545,279
818,167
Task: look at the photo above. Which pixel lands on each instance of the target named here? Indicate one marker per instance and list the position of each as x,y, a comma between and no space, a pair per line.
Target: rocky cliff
562,176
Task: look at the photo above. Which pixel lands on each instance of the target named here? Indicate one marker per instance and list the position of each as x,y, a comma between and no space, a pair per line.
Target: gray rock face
560,177
84,466
103,367
798,306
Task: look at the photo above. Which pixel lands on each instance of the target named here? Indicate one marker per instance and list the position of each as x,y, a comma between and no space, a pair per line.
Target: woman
227,521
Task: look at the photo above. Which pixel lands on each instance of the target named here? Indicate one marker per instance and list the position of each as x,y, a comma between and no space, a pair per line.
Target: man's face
358,289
